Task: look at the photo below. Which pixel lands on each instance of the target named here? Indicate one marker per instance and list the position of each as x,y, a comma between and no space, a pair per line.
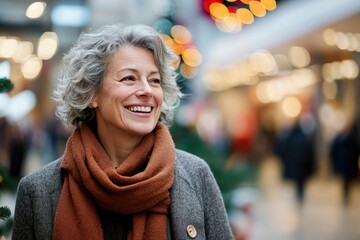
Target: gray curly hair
82,70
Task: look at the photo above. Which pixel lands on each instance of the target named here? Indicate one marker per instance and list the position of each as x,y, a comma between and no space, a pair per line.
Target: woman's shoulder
190,166
189,160
46,176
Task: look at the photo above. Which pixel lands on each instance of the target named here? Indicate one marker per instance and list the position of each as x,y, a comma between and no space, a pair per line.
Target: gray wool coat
196,202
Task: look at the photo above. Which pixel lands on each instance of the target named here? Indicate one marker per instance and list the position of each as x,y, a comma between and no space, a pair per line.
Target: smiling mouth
139,109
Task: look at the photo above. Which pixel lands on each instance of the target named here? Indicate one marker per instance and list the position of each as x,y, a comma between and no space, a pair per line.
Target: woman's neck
118,146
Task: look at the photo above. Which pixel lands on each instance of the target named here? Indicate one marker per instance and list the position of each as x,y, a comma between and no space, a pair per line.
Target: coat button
191,230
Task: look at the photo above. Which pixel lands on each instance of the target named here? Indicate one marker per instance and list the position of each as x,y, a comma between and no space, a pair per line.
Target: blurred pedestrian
296,152
13,147
344,154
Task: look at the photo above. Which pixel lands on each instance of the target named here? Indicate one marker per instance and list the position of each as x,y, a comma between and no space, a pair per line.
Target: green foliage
4,212
8,183
5,85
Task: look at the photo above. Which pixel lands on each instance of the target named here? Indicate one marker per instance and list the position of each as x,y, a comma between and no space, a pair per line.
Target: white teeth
139,109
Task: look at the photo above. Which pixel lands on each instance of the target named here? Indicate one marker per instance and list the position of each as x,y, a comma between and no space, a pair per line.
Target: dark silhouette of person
296,151
344,154
17,151
15,147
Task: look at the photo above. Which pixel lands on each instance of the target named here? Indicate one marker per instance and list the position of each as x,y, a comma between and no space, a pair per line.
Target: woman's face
131,96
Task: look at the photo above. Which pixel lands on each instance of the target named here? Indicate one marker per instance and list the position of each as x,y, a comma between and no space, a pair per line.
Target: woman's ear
93,105
94,102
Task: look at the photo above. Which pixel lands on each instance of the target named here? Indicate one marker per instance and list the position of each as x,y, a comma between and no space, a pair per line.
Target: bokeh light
188,71
245,16
269,5
349,69
181,34
257,8
291,107
48,44
35,10
23,51
299,56
192,57
218,11
329,36
262,61
8,47
31,67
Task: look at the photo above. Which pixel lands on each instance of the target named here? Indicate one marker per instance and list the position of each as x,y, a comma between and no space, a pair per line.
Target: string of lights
232,15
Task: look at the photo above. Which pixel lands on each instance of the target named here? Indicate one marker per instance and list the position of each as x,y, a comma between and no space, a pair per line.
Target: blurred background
271,100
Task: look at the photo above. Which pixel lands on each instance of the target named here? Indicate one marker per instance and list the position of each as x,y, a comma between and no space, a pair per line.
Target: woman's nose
144,89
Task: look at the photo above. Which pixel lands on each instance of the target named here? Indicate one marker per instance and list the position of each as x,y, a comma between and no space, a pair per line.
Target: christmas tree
5,86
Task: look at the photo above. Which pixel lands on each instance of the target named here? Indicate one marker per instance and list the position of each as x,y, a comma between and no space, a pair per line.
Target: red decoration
206,4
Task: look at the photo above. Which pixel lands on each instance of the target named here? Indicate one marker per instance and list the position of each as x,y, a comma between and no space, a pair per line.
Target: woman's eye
128,78
155,81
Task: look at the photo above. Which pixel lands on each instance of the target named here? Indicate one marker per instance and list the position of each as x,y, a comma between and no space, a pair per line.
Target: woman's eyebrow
136,71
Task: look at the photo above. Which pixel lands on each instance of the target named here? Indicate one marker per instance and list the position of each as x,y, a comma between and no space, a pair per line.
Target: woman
120,176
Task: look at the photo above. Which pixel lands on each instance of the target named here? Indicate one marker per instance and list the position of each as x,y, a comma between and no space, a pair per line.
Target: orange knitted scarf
138,187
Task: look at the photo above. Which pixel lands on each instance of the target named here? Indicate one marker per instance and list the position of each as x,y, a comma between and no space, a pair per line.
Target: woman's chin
142,128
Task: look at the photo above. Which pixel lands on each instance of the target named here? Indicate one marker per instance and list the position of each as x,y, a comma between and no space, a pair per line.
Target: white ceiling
314,40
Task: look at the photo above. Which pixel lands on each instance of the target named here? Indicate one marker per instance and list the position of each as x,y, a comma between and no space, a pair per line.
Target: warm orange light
176,63
178,48
329,36
257,8
168,40
219,10
246,1
229,24
291,107
207,3
192,57
245,16
187,71
269,4
181,34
